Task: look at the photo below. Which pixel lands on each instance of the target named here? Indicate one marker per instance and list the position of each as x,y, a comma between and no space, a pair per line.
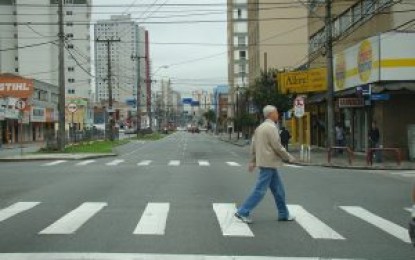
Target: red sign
351,102
14,86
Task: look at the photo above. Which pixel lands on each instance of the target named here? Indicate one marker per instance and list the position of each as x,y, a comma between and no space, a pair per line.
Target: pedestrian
268,154
339,137
285,137
374,138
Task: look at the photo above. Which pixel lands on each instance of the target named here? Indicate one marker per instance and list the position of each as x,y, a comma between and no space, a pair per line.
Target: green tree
210,116
264,92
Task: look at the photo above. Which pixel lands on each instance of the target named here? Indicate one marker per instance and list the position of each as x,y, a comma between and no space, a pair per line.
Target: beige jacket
266,148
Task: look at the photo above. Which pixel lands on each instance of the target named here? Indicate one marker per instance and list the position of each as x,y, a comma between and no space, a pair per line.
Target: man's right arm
276,145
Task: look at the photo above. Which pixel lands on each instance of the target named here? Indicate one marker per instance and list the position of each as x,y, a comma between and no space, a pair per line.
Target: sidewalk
13,152
319,157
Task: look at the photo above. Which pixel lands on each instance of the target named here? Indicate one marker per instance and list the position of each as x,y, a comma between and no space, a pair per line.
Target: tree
210,116
265,92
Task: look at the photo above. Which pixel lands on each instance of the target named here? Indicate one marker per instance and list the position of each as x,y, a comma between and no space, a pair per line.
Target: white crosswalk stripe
203,163
83,163
54,163
153,221
15,209
174,163
233,164
293,166
229,224
72,221
115,162
144,163
315,227
408,209
381,223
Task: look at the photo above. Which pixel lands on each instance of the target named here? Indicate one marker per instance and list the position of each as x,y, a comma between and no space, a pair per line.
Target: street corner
46,157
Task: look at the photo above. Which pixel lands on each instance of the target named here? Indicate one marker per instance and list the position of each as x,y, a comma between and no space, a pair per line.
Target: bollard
309,154
302,153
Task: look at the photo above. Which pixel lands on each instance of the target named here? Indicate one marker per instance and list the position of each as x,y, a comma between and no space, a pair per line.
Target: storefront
375,82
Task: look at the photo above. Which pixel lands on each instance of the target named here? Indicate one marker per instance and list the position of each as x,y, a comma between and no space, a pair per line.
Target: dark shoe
289,218
243,218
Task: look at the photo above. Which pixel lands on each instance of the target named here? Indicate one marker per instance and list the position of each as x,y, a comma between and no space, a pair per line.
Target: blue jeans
268,177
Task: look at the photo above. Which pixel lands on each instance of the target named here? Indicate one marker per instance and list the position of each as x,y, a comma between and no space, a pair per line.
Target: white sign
72,107
20,104
299,107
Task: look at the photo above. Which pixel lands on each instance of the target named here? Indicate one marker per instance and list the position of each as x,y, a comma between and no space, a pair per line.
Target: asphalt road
174,199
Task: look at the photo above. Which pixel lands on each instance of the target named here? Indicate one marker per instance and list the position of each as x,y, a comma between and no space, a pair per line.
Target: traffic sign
72,107
20,104
299,107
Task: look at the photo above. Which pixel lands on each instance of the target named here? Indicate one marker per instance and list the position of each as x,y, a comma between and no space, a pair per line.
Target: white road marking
203,163
381,223
72,221
15,209
174,163
54,163
153,221
144,163
135,256
315,227
293,166
85,162
115,162
233,164
229,224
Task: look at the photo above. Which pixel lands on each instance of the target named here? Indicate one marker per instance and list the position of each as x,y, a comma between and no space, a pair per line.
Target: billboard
313,80
386,57
14,86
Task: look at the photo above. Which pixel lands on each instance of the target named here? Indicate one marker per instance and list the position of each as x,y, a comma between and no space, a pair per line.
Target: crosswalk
154,220
142,163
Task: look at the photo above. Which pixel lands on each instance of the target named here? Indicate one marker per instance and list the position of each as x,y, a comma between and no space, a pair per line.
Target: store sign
380,97
18,87
313,80
351,102
299,108
386,57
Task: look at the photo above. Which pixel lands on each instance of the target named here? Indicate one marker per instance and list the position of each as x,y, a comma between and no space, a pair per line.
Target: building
277,36
36,27
374,71
36,121
238,54
130,66
220,102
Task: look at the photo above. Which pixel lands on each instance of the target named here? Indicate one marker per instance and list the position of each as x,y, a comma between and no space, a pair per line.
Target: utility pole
111,112
138,103
61,102
330,81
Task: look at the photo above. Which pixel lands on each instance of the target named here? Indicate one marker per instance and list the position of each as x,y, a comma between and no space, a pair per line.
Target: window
336,28
70,46
240,27
346,21
71,91
69,24
16,58
242,55
71,69
368,8
69,35
69,13
383,3
241,41
357,13
70,80
16,70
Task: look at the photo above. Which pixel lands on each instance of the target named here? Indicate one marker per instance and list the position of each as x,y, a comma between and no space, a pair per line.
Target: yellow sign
313,80
364,60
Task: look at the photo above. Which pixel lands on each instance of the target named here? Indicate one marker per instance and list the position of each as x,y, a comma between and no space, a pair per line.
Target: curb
60,157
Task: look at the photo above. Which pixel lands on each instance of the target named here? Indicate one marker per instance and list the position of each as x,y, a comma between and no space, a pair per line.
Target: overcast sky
186,75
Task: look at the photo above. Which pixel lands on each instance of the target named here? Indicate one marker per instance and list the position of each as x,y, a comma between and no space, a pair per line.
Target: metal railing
349,151
396,151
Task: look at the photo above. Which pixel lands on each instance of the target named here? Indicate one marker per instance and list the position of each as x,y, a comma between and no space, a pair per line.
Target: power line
28,46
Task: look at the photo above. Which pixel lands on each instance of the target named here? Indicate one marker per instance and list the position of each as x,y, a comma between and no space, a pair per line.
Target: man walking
268,154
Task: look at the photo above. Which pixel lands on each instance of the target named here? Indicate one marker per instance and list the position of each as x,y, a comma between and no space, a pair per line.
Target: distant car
412,222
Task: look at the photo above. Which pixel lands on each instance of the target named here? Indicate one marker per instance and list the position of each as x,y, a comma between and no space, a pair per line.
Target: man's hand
292,159
251,167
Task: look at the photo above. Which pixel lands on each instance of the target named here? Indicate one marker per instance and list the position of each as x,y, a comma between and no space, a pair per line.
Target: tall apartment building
29,33
277,35
129,62
374,72
238,55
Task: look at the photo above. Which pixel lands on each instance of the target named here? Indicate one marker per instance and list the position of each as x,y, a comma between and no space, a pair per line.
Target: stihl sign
16,87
